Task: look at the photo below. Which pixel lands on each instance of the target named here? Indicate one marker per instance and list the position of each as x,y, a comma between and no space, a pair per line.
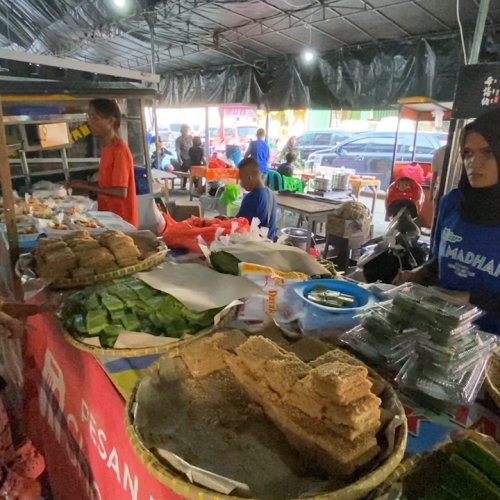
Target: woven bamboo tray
78,342
179,485
492,380
149,262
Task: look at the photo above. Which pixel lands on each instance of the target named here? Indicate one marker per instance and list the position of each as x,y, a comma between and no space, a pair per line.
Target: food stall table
314,211
358,183
76,417
166,177
304,175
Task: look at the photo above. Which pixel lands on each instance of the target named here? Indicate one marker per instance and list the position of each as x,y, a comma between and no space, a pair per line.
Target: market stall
241,368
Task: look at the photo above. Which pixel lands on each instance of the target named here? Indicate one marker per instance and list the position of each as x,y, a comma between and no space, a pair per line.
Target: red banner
76,418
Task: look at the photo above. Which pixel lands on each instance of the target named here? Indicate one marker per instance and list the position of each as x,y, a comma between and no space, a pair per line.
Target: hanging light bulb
308,55
120,3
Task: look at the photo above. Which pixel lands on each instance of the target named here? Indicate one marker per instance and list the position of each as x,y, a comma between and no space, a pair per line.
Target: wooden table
166,177
315,211
358,183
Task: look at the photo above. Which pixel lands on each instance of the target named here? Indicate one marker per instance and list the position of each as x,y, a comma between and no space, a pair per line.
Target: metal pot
321,184
296,236
340,181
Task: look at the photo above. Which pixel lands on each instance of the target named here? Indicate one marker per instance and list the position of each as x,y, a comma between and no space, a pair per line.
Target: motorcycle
399,248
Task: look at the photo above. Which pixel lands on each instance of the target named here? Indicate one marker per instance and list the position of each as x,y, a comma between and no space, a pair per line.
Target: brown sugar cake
326,411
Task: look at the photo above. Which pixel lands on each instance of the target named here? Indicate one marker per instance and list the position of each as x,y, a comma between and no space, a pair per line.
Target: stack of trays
449,363
384,339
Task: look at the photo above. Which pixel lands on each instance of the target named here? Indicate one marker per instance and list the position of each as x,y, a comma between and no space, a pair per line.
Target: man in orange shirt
116,185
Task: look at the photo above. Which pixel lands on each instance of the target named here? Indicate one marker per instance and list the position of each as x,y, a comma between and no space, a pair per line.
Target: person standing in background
182,145
437,168
259,151
115,188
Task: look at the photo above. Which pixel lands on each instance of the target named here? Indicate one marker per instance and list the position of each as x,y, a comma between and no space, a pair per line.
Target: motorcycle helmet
404,192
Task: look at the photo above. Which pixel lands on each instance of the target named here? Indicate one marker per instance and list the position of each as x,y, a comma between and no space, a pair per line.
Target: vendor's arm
10,327
425,275
115,192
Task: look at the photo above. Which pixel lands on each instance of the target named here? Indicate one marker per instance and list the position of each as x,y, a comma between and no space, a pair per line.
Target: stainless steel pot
321,184
340,181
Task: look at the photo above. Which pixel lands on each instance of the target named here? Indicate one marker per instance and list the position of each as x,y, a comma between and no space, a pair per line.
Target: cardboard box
347,228
183,209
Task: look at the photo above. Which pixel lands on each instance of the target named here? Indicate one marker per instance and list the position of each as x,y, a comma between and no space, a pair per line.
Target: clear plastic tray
430,309
380,353
442,388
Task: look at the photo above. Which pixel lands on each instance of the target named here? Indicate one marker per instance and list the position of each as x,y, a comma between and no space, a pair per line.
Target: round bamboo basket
144,351
492,380
144,265
178,484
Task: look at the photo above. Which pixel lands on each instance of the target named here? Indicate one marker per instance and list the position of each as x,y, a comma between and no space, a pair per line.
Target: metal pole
479,30
9,208
155,121
207,136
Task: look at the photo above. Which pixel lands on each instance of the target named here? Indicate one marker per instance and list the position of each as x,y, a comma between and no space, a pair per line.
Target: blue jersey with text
468,255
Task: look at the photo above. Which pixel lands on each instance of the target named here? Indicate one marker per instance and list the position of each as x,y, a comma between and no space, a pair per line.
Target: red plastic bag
185,234
217,163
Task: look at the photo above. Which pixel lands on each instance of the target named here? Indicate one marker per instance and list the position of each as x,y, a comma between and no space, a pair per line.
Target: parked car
314,140
239,134
371,153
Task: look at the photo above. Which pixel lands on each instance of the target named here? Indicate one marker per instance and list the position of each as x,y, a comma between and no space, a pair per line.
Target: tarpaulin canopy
246,51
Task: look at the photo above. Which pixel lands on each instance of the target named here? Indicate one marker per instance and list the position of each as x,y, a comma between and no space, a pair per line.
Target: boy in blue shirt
260,202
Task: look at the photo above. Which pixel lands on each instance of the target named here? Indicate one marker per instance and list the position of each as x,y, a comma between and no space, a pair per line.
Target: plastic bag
272,282
185,234
230,194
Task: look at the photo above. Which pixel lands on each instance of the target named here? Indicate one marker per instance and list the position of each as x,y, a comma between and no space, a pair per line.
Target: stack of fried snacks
79,254
325,408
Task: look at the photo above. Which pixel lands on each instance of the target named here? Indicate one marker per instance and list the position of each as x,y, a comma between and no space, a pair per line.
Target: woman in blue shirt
466,248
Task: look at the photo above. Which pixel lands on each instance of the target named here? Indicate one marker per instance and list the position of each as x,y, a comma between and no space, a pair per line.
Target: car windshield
175,127
246,131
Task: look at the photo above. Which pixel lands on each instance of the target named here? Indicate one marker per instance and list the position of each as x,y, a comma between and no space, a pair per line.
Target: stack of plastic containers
384,339
448,365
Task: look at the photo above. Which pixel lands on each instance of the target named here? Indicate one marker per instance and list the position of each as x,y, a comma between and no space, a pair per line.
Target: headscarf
482,205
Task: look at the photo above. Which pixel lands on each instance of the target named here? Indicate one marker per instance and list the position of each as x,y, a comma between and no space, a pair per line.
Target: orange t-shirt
116,169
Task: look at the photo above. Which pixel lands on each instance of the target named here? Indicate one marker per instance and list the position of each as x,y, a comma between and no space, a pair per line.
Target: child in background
196,158
197,153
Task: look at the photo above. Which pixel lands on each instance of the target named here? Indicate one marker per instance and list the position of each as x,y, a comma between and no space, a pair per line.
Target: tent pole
9,207
155,116
478,32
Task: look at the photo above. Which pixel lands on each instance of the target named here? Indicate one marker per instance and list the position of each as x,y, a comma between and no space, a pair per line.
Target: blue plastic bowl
361,296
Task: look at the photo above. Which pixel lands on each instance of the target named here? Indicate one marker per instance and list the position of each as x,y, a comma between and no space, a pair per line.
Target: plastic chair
274,180
292,184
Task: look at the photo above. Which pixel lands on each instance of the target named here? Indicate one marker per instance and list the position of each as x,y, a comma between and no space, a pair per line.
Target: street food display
80,254
274,408
129,304
267,419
